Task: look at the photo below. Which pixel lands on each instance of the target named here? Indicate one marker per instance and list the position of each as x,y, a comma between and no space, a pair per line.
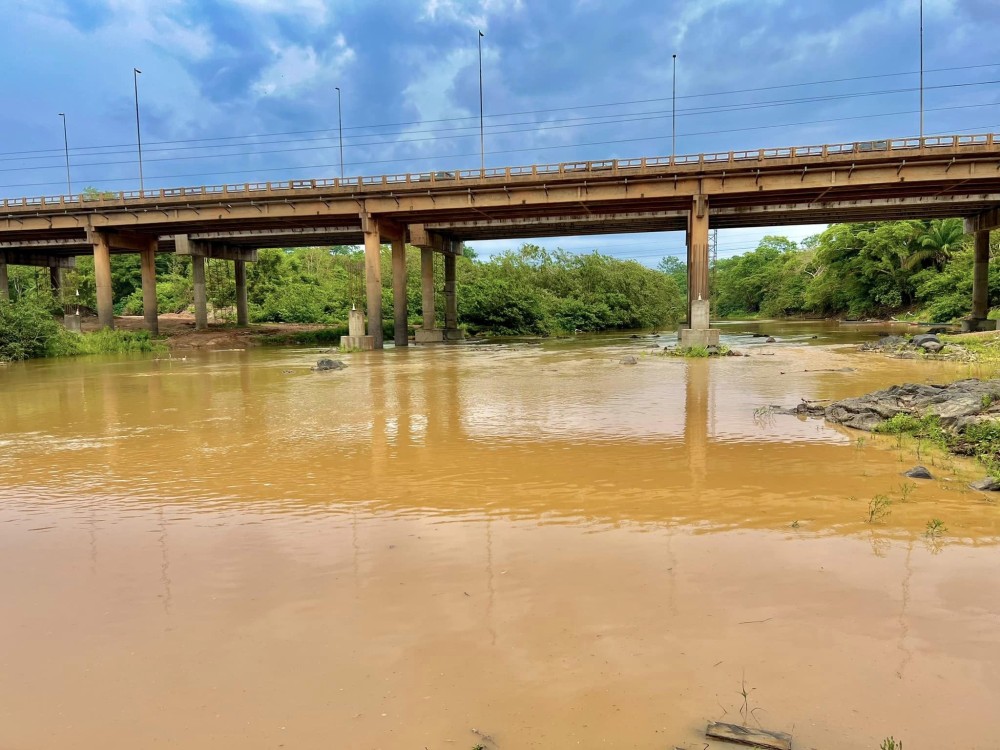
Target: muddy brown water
516,545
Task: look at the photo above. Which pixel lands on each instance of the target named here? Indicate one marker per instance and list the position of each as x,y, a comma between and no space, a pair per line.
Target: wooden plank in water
748,736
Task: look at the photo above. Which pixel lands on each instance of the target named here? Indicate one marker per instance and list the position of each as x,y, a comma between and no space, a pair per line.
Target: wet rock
712,349
635,336
932,347
329,364
922,338
759,335
989,484
886,343
629,360
937,329
770,340
918,472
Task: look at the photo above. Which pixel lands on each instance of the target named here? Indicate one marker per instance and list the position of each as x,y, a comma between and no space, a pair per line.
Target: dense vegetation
916,268
919,268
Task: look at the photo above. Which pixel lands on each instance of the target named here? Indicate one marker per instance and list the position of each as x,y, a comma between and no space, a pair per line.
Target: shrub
26,328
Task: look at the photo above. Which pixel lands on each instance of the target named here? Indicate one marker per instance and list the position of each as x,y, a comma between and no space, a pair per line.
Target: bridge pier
242,307
451,330
980,285
200,292
102,280
399,308
373,281
150,311
428,333
698,331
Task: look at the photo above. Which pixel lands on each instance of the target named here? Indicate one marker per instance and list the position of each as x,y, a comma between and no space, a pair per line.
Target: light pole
921,68
673,114
482,138
340,129
138,131
69,185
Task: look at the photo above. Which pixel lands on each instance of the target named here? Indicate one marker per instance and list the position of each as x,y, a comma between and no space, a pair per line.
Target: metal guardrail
447,177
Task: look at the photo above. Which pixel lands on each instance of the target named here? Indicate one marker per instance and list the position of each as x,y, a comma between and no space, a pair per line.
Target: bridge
939,176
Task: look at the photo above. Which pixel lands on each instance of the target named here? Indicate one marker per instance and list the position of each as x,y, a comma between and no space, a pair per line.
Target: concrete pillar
697,331
4,283
981,277
450,298
400,316
55,281
242,308
373,282
102,280
150,312
427,287
200,293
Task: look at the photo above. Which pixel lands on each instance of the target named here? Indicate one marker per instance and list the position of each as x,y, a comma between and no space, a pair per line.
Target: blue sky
238,90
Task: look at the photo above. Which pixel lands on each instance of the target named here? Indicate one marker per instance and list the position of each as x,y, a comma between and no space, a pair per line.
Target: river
518,545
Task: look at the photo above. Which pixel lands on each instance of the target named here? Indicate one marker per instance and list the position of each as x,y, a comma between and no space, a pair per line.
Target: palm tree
935,242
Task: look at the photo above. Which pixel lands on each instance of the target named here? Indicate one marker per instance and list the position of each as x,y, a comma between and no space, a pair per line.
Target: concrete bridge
889,179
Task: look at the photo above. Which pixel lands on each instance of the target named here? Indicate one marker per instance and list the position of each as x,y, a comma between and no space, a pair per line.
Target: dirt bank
178,330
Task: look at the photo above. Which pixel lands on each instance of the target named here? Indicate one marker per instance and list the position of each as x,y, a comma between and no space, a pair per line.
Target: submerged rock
629,360
989,484
918,472
770,340
329,364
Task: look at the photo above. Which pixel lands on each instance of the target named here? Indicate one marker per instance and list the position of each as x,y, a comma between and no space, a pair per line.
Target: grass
878,509
935,528
105,341
696,352
982,348
891,743
926,428
317,337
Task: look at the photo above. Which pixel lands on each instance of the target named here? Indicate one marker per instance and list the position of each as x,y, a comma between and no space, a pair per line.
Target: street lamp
921,68
138,132
69,185
673,113
482,138
340,128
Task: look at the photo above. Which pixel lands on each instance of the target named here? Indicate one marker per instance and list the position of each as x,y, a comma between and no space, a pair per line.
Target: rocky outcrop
918,472
329,364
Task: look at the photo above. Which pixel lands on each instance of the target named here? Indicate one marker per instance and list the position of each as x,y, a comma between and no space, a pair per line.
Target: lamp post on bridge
340,130
673,113
482,137
921,68
138,132
69,184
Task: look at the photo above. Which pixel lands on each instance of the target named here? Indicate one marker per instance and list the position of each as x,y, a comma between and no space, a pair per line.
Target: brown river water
517,545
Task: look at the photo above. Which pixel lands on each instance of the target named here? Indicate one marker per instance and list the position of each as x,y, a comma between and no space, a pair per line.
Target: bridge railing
601,166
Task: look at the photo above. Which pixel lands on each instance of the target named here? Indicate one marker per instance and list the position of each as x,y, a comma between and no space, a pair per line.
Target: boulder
932,347
918,472
629,360
921,338
770,340
329,364
989,484
712,349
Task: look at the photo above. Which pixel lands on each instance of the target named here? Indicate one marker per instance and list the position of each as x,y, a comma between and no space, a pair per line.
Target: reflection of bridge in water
437,211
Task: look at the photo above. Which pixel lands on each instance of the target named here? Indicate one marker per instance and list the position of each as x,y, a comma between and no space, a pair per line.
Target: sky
246,90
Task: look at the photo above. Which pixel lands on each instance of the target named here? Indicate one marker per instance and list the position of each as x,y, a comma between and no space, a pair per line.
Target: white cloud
315,10
161,22
470,12
296,67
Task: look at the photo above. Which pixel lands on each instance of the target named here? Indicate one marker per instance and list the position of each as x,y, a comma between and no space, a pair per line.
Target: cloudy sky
243,90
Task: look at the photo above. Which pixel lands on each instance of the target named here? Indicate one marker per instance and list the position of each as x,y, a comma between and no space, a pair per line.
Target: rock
770,340
329,364
932,347
629,360
936,330
635,336
759,335
989,484
918,472
712,349
921,338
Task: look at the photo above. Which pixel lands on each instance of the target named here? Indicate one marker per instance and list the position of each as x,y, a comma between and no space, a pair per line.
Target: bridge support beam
698,331
980,286
242,307
373,281
399,309
428,333
4,283
200,292
102,280
451,329
147,259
